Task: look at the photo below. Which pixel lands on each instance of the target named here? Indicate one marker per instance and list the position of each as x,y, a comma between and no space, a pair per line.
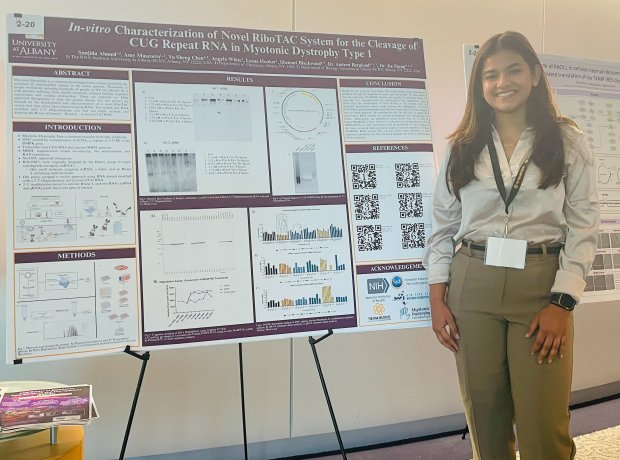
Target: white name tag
504,252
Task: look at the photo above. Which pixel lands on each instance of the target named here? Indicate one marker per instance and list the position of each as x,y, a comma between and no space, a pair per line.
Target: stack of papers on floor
46,407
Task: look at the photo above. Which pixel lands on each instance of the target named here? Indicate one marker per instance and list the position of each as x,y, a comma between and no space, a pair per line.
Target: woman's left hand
552,325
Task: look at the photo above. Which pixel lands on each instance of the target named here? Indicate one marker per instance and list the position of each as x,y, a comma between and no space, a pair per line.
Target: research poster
588,92
175,185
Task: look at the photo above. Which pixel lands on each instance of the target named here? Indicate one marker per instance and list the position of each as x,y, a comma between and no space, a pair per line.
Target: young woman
517,191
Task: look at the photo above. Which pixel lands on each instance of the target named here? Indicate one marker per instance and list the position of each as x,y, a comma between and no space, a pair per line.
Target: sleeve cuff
568,283
439,273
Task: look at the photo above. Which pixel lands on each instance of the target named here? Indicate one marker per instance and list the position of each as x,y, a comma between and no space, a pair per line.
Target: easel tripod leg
313,343
144,357
245,437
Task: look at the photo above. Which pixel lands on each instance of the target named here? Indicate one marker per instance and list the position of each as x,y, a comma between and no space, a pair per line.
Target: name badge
505,252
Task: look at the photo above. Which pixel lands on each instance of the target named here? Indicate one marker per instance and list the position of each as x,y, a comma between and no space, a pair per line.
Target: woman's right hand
444,325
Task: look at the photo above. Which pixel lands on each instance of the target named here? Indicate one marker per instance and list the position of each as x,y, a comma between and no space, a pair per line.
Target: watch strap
565,301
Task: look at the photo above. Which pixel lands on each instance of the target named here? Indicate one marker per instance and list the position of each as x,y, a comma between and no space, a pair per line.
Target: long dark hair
472,134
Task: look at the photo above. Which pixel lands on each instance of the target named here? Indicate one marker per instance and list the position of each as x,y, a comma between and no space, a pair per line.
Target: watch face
569,301
564,300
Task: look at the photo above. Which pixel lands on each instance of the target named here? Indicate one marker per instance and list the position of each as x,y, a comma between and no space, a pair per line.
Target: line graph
195,297
190,242
196,304
197,263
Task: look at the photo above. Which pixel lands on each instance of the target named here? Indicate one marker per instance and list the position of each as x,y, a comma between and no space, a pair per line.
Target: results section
244,227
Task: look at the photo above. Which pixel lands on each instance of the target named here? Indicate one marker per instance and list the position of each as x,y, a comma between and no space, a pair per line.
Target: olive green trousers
502,384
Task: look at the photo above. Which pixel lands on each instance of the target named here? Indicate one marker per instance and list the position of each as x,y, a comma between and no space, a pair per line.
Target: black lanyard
516,185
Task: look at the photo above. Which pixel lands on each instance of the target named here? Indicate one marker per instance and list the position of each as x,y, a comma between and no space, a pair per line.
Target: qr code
369,238
413,236
407,175
364,176
410,205
366,206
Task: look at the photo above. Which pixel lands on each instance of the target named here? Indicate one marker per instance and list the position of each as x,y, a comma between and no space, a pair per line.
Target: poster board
174,185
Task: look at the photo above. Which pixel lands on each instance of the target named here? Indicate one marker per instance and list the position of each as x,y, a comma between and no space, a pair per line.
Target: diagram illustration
606,174
61,221
608,182
304,140
62,303
45,220
599,118
302,111
303,114
34,285
56,304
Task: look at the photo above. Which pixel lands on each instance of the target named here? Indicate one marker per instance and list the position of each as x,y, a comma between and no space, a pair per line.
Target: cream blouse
566,213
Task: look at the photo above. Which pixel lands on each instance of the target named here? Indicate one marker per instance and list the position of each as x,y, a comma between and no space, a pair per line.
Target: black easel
144,357
245,438
313,343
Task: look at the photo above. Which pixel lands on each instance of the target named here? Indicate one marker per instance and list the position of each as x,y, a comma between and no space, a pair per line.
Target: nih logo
377,285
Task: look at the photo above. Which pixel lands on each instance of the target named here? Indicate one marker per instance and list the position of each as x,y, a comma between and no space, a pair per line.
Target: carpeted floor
596,429
600,445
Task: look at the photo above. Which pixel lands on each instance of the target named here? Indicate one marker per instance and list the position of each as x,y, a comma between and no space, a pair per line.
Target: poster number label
25,24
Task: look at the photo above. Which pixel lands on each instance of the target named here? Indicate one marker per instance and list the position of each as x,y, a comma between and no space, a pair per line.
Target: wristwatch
565,301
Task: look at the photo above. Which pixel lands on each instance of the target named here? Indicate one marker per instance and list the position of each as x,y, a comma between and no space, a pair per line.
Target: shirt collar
527,132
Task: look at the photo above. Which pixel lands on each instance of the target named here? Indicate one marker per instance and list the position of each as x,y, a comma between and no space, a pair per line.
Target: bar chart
309,266
282,232
325,297
306,254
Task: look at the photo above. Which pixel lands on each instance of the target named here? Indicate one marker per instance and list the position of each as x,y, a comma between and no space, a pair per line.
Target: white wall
190,397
